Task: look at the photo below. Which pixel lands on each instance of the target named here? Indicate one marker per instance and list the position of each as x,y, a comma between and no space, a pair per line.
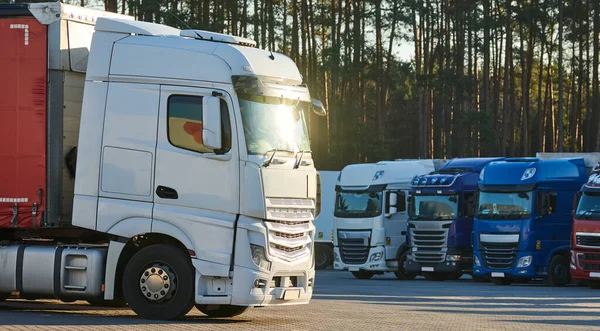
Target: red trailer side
23,105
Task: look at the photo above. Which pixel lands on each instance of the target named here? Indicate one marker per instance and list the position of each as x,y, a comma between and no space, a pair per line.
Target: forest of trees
486,77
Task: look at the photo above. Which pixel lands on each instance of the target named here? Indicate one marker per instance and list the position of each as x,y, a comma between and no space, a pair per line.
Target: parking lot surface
344,303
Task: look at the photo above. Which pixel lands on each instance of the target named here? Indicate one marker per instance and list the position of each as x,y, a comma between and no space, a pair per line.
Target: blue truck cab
523,220
441,208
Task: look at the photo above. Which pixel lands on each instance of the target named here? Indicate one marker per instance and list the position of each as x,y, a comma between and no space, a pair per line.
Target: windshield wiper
297,165
274,150
588,212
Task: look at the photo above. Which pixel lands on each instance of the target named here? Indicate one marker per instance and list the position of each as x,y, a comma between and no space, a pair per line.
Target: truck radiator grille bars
589,261
429,244
288,222
588,241
354,245
353,251
499,256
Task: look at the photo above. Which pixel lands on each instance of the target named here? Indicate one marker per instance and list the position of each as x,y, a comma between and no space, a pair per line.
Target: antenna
180,20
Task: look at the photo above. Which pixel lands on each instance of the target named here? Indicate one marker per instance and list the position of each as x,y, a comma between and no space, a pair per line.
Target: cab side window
184,127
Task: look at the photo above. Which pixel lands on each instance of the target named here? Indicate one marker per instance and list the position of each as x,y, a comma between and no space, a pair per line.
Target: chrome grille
590,241
353,251
289,225
500,256
589,261
429,244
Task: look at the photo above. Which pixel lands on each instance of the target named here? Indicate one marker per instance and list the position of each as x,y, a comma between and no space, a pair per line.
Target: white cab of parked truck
193,178
371,217
324,220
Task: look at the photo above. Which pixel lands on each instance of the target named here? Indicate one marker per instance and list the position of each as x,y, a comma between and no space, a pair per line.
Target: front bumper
579,273
513,272
380,265
463,265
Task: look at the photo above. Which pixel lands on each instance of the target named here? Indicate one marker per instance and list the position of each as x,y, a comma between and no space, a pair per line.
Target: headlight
376,257
336,257
525,261
453,258
259,258
476,261
572,257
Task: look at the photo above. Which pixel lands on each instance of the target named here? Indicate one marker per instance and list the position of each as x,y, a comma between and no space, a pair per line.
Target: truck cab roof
383,173
528,172
456,174
145,51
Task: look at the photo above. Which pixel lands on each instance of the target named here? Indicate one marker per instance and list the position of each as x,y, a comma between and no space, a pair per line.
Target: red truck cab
585,237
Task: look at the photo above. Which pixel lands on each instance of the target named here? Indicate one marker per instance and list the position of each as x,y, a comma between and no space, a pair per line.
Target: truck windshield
273,123
357,204
504,205
433,207
589,207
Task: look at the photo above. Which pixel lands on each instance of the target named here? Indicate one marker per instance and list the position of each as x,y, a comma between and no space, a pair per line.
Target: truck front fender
557,250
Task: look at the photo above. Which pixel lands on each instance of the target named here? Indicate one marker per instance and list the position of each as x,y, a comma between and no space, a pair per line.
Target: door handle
166,192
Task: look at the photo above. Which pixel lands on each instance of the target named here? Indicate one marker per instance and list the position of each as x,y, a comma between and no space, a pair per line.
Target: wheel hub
158,283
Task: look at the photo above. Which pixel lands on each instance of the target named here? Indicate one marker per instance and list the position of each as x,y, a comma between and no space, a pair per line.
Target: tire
323,256
119,303
501,281
221,310
363,274
401,273
150,266
558,271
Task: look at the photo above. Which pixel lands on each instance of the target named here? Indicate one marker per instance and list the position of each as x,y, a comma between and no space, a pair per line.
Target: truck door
196,189
395,226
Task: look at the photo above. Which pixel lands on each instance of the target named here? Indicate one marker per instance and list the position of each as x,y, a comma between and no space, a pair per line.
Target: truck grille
583,240
290,228
429,245
353,251
499,256
589,261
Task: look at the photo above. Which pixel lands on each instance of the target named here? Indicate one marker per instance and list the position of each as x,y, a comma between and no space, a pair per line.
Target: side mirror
318,108
392,201
211,122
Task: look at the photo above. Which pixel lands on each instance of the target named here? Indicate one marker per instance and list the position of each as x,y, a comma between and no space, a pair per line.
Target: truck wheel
363,274
558,271
401,273
501,281
158,283
221,310
436,277
323,256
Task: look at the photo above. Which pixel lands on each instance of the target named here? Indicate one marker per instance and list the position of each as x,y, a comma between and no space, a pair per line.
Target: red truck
585,240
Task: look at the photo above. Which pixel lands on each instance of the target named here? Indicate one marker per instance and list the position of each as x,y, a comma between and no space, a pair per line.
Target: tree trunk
560,76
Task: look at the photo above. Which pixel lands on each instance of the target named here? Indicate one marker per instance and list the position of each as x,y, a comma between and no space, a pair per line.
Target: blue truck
523,219
441,208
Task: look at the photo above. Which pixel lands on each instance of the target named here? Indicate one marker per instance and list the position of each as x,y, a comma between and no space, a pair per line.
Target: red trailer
43,59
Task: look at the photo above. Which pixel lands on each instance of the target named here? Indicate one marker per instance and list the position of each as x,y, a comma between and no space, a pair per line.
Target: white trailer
193,178
324,221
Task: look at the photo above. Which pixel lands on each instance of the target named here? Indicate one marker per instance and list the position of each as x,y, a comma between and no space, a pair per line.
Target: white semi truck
166,168
324,220
371,217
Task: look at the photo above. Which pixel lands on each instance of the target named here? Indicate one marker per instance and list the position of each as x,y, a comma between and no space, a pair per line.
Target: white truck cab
370,217
194,175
